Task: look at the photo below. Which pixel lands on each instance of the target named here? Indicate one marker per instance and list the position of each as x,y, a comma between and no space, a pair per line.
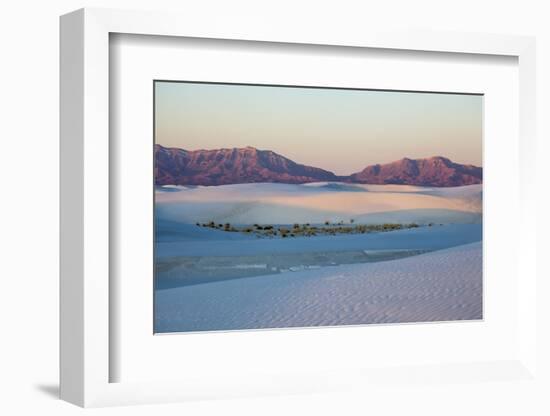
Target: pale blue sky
339,130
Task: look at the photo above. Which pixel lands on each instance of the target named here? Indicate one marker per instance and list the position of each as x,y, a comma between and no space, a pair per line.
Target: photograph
281,206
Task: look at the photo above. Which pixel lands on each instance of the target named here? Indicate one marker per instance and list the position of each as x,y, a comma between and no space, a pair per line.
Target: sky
334,129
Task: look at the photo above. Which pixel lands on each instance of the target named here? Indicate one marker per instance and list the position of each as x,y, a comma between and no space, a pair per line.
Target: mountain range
174,166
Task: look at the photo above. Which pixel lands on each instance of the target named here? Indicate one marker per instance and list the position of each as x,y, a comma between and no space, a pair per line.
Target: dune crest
287,204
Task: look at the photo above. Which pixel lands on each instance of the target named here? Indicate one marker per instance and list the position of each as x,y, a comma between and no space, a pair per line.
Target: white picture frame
85,210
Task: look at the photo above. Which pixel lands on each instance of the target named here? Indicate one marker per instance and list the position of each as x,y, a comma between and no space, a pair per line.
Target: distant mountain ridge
228,166
174,166
433,171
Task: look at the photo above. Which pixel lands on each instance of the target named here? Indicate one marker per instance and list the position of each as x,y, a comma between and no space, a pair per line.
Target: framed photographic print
257,211
273,211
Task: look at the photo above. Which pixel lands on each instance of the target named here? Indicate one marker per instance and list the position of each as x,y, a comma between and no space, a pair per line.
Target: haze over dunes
174,166
275,203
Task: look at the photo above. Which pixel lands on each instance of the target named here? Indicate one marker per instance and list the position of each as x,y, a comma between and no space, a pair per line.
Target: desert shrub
391,226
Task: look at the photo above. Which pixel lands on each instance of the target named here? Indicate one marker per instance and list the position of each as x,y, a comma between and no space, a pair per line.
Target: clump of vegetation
308,230
392,226
210,224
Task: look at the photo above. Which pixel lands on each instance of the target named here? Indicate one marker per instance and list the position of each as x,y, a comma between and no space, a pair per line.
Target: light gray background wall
29,207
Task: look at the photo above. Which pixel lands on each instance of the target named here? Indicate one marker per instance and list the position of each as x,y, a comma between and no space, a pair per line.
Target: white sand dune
319,202
438,286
